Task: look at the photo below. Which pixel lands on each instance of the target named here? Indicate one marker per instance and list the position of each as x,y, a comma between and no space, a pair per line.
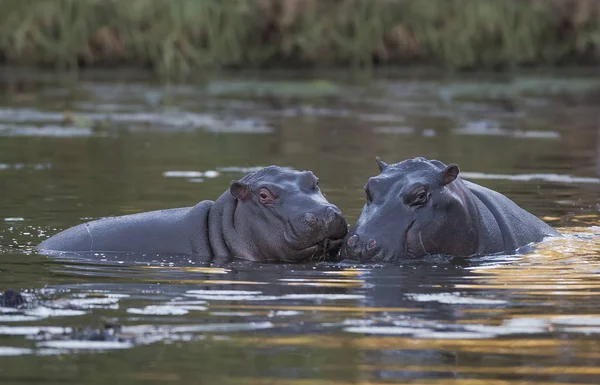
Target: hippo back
180,230
517,226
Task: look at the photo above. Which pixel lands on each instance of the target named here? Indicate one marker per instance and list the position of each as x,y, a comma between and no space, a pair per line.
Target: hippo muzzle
317,232
364,245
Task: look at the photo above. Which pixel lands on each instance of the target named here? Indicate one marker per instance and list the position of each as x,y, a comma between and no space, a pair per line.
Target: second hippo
422,207
271,215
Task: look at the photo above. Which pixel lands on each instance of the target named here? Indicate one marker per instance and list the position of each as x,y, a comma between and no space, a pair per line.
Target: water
113,143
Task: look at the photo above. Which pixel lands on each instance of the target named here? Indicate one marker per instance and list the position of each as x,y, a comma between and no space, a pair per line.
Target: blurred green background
182,38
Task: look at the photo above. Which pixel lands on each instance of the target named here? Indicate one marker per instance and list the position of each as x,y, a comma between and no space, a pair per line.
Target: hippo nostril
371,244
309,219
352,240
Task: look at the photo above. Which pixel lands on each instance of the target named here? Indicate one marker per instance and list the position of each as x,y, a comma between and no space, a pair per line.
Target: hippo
422,207
270,215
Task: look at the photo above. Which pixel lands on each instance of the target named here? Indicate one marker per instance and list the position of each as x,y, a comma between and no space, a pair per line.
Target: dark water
112,143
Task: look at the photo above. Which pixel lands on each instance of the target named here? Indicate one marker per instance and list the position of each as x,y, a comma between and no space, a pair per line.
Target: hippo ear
450,173
382,165
239,190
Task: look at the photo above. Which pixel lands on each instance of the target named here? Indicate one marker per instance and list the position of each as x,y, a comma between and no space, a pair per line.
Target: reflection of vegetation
179,37
520,86
300,89
208,361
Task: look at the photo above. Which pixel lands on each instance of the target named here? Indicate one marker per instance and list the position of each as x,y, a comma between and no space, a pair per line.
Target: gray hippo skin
271,215
421,207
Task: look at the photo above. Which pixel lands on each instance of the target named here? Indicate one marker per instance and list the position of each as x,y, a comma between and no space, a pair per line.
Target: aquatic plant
187,37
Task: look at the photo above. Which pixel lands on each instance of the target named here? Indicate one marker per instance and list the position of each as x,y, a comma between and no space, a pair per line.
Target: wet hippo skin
422,207
271,215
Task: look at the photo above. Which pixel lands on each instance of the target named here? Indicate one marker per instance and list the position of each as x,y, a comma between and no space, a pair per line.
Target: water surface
112,144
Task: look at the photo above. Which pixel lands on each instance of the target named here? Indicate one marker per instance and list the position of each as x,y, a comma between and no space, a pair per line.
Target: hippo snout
365,249
326,223
335,223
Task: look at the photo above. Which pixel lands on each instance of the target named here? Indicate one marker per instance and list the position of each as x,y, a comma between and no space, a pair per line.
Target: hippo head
414,208
281,215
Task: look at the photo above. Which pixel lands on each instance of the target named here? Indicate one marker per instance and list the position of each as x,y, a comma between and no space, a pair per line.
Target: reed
178,38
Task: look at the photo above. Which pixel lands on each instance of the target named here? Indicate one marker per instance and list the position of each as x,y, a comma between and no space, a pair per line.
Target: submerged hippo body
420,207
270,215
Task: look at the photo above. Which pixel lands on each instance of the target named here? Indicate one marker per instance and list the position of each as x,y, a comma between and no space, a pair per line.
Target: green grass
178,38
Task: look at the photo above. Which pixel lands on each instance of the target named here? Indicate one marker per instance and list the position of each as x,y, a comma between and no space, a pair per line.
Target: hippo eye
265,196
420,198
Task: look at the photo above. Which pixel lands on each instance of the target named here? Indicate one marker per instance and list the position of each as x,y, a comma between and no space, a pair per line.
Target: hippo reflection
272,214
422,207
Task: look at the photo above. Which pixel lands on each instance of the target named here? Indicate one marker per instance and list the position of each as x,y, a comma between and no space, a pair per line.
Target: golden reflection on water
164,377
520,370
446,381
537,347
346,272
452,381
567,266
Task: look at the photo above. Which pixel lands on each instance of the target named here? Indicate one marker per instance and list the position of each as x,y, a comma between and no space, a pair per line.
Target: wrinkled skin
419,207
271,215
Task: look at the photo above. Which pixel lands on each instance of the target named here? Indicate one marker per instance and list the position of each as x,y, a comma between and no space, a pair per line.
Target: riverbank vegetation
183,37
